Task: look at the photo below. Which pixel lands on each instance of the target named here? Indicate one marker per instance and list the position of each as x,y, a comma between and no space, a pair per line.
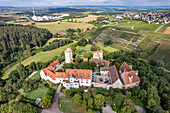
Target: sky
22,3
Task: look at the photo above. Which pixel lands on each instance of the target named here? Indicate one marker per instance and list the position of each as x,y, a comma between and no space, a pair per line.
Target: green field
138,26
38,93
86,48
36,75
41,56
127,22
64,25
162,53
109,49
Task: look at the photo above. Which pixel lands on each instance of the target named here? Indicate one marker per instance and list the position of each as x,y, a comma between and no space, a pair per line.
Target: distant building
68,55
129,76
98,54
100,62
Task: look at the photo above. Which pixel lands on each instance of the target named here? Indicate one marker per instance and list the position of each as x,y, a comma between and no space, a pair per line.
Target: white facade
98,55
68,56
68,82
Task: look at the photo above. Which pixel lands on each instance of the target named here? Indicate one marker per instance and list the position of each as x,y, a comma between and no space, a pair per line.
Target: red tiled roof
54,63
102,62
85,59
125,66
113,74
77,73
129,74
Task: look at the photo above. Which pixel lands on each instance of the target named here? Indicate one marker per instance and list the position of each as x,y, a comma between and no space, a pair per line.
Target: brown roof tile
101,62
113,74
54,63
125,66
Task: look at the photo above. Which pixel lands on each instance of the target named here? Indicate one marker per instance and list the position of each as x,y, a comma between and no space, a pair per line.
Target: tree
90,111
108,100
99,100
84,104
128,94
118,101
67,93
142,94
90,102
160,63
127,109
86,95
77,100
46,100
151,103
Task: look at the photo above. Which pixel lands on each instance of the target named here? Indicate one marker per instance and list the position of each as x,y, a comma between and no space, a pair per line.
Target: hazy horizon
45,3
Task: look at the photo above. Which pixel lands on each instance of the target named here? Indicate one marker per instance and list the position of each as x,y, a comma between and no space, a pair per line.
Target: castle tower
68,55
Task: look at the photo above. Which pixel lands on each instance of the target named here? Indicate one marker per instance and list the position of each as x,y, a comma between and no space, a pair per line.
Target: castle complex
125,77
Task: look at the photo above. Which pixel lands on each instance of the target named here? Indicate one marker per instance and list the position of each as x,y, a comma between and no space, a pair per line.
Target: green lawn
106,48
146,27
86,48
127,22
41,56
36,75
38,93
64,25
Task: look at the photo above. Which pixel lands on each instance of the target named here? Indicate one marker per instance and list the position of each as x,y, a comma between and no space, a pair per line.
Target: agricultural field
136,26
109,49
41,56
162,29
86,48
162,53
167,31
58,26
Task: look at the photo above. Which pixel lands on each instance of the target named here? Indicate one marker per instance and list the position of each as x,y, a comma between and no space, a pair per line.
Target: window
86,82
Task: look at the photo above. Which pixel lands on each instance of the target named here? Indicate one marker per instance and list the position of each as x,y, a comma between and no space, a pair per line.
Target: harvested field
88,19
167,31
63,25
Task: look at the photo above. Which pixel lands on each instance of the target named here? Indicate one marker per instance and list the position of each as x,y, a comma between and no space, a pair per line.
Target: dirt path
31,75
135,24
159,28
54,107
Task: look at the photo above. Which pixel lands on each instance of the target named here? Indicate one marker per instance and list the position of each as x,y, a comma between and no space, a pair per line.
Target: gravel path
139,109
54,107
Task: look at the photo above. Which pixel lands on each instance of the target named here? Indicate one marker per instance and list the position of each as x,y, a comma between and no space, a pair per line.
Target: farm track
159,28
135,24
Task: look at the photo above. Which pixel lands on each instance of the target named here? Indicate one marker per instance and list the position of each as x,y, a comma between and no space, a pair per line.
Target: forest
17,41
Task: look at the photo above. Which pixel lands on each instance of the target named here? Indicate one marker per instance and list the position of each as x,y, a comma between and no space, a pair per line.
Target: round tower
68,55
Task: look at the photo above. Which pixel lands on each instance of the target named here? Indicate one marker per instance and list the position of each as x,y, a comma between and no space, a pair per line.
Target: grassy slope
64,25
35,75
106,48
86,48
38,93
162,53
42,56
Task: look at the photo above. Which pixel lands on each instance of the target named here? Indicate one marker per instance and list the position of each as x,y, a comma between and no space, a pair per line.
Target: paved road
139,109
108,109
54,107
